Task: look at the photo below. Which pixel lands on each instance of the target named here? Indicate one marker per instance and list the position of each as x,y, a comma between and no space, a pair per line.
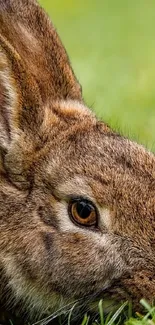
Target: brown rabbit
77,214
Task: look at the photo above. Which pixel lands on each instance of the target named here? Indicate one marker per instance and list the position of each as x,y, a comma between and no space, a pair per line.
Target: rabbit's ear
9,100
28,29
19,96
21,116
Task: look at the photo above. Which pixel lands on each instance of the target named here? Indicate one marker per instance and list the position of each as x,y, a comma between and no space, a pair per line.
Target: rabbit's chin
38,308
26,302
23,301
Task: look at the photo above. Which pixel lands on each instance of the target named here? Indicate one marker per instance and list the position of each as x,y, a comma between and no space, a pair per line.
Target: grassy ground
122,316
111,45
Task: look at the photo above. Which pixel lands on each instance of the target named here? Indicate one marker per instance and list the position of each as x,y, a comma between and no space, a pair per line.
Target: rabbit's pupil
84,209
83,212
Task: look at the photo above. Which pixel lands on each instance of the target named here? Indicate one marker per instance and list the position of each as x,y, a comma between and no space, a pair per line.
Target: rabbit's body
55,153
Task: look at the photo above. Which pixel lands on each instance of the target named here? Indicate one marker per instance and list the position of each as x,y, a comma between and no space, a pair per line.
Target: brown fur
53,148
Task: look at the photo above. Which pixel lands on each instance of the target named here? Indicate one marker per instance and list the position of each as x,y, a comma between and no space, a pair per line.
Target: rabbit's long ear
20,100
24,24
9,99
21,115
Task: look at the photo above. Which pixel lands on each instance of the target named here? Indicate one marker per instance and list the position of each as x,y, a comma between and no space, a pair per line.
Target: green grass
121,316
116,318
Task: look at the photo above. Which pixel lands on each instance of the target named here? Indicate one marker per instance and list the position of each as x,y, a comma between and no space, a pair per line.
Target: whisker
59,312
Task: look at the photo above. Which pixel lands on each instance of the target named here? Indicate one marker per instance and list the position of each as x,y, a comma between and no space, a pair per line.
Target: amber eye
83,212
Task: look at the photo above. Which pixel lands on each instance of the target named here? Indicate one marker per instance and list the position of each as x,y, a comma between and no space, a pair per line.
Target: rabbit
77,216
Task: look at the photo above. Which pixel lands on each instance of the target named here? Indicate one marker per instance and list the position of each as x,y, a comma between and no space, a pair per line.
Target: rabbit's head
77,213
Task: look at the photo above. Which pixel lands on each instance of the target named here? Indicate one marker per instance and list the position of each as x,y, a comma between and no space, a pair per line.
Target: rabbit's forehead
98,161
98,158
114,173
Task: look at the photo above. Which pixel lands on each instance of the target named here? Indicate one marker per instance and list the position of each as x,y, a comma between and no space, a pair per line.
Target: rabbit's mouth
111,297
131,287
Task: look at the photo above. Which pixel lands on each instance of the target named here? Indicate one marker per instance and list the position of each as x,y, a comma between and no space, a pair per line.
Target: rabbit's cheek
79,254
22,289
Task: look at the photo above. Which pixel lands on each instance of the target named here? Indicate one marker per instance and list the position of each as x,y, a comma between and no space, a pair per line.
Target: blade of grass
85,320
100,306
117,313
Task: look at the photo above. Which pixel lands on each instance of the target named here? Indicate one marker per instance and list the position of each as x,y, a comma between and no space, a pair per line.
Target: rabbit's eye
83,212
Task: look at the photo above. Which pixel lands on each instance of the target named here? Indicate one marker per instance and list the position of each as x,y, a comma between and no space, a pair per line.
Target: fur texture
52,149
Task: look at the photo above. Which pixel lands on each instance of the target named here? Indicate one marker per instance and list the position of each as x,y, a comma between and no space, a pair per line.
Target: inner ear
20,101
21,115
8,100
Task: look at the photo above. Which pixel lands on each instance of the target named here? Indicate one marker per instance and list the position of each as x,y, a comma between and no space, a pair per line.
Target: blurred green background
111,45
